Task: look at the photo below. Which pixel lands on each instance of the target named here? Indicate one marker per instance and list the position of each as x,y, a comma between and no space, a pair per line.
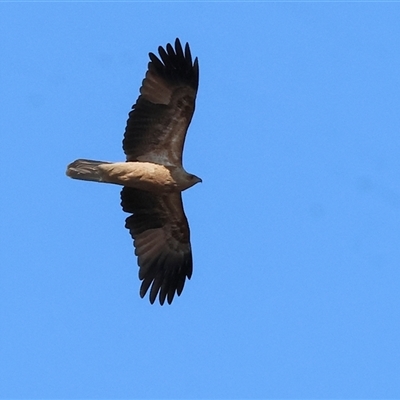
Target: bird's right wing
157,125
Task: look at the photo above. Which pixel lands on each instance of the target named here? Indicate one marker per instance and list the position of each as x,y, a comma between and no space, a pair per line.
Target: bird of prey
152,175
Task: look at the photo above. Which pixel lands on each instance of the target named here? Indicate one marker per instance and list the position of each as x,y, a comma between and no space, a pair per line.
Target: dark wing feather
159,120
161,236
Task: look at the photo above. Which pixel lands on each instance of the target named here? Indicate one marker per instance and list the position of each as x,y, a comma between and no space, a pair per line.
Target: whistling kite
153,176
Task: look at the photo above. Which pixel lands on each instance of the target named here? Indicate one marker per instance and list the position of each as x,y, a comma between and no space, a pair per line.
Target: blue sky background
295,229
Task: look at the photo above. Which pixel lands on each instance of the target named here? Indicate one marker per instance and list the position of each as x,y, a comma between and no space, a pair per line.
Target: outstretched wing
161,236
159,120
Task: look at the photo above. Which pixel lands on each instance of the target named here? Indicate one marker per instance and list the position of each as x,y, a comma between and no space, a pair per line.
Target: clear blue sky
295,228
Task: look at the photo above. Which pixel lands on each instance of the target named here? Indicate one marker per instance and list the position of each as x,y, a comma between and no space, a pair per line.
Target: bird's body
153,176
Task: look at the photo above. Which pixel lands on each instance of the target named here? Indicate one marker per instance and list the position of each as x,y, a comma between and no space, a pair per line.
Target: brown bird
153,176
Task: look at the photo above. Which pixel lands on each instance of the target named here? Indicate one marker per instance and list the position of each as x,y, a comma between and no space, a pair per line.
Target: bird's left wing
161,236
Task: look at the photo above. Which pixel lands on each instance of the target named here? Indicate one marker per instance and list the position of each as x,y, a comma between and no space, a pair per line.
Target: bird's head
183,179
195,179
189,180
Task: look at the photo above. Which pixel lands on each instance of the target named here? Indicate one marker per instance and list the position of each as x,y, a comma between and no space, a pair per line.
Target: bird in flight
152,175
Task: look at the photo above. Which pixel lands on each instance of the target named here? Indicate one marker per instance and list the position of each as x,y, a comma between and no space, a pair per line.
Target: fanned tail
86,170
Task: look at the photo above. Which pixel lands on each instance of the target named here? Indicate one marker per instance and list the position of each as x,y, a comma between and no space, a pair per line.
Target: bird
153,177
